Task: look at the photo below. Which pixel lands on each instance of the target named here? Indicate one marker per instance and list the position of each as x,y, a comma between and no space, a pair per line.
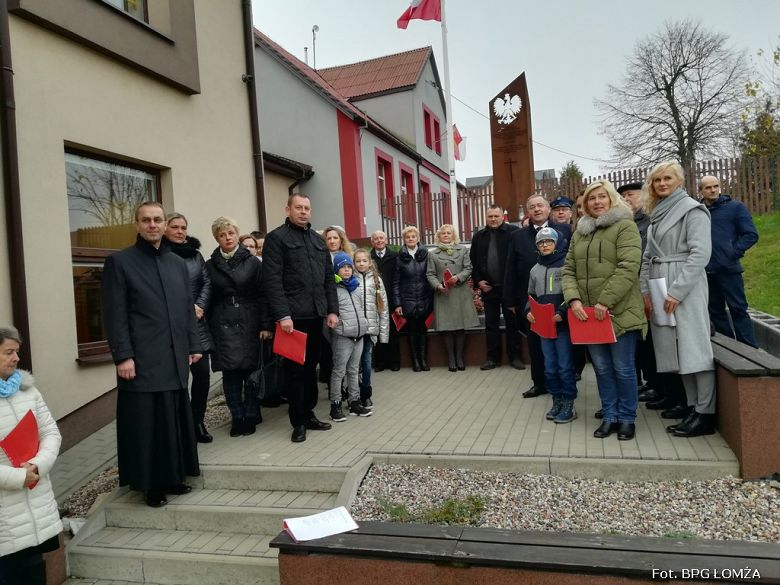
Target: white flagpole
450,140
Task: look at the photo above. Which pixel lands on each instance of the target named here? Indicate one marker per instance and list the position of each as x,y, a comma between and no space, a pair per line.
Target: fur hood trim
586,225
27,380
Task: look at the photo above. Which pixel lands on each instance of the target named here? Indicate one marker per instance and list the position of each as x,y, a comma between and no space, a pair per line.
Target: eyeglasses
545,243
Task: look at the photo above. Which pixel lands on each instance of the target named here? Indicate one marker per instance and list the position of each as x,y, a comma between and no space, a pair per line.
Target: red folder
290,345
543,324
592,330
429,321
21,444
399,320
447,276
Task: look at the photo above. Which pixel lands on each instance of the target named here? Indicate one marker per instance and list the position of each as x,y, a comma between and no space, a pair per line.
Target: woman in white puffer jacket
375,309
29,520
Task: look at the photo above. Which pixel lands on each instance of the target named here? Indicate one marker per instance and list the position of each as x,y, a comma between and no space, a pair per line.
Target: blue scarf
350,283
10,386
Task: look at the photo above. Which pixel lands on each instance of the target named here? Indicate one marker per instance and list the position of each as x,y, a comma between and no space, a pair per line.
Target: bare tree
681,97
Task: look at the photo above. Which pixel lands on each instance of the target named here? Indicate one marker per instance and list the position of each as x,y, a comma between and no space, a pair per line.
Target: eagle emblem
507,108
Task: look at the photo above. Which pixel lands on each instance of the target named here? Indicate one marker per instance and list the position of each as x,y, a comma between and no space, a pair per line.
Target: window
427,204
102,197
446,205
135,8
427,128
407,195
437,136
384,183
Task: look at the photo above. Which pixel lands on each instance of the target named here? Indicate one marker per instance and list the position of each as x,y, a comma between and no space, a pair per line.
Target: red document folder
592,330
21,444
290,345
429,321
543,324
399,320
447,276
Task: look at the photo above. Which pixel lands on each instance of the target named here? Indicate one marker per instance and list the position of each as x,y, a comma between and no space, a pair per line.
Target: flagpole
450,139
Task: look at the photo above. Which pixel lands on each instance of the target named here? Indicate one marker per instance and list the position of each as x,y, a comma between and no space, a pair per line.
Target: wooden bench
749,405
384,553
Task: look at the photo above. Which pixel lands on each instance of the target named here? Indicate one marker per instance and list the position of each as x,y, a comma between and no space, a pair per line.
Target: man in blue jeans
733,233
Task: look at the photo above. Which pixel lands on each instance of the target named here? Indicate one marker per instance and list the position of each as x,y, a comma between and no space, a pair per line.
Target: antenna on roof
306,55
314,30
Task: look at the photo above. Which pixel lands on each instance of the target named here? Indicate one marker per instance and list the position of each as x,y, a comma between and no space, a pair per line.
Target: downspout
13,197
249,78
305,176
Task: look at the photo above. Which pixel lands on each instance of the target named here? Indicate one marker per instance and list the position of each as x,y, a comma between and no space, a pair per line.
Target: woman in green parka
602,271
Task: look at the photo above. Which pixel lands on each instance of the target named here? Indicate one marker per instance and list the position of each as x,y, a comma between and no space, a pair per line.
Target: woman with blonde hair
412,294
453,304
235,321
679,243
602,271
336,241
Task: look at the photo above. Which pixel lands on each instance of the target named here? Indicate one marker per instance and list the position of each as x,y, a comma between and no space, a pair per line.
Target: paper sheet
320,525
658,293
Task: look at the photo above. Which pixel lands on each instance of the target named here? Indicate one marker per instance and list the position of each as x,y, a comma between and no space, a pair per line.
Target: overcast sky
569,49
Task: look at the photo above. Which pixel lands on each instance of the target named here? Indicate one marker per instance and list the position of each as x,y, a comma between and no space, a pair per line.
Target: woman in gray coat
678,249
453,304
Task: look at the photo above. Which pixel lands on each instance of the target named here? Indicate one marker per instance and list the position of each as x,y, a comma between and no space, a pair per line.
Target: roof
472,182
376,76
286,166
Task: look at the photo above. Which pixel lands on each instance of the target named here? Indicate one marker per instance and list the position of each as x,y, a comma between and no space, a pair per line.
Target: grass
452,511
762,266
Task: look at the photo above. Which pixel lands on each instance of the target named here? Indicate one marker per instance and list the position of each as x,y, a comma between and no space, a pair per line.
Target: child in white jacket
375,309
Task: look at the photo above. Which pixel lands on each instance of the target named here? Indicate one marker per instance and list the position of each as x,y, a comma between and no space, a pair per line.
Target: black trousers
388,355
535,351
301,380
494,306
23,568
199,391
242,402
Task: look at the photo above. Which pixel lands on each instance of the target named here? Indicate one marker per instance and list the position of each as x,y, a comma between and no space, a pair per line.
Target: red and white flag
460,144
420,10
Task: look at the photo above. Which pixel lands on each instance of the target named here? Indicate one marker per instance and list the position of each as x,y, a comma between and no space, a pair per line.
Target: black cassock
149,316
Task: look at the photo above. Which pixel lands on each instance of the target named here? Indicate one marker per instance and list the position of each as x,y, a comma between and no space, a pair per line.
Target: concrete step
237,511
76,581
282,478
175,557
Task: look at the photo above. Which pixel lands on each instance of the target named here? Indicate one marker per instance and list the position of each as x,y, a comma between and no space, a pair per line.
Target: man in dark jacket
300,292
150,322
488,258
733,233
521,257
386,355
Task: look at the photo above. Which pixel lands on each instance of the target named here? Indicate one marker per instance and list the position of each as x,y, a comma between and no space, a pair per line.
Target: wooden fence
754,181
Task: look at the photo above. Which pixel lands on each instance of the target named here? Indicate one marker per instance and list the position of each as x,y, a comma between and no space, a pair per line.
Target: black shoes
156,499
661,404
626,431
249,427
700,424
649,395
243,426
237,428
683,423
395,367
678,411
488,365
517,364
202,434
534,391
314,424
598,414
606,429
299,434
178,490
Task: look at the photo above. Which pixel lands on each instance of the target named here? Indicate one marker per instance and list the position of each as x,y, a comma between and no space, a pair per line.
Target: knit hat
546,233
341,259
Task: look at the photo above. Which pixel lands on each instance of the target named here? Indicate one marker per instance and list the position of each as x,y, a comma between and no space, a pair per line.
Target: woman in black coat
412,295
187,248
235,322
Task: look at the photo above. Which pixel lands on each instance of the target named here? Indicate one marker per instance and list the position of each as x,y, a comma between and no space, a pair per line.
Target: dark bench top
743,360
549,551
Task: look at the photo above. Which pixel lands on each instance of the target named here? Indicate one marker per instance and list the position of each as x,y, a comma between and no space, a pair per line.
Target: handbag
266,380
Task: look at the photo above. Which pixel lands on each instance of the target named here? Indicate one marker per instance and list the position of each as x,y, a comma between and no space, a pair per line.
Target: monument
513,156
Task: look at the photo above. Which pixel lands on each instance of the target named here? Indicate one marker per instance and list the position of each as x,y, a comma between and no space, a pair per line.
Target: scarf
666,205
10,386
229,255
448,249
350,283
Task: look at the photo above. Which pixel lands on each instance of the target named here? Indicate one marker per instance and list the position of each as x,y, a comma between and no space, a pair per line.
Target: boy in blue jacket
544,286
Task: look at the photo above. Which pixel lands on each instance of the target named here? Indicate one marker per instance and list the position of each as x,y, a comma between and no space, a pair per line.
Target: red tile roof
380,75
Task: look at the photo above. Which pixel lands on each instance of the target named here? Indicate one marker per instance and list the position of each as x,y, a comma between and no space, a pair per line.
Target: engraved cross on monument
513,156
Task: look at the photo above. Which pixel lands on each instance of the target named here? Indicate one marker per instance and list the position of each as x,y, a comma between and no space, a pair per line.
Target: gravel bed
722,509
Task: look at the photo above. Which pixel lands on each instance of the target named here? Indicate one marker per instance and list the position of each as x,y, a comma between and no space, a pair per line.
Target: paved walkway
472,415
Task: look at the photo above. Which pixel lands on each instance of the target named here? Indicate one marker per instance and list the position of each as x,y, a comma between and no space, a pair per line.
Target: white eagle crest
507,108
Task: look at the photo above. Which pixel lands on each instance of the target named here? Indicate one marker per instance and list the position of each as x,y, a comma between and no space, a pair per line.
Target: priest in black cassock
152,333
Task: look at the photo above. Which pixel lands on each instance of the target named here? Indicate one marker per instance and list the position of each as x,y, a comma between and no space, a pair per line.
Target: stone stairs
217,534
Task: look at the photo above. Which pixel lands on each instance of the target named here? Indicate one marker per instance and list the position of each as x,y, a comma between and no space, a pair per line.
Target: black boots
417,346
460,343
202,434
413,352
449,341
700,424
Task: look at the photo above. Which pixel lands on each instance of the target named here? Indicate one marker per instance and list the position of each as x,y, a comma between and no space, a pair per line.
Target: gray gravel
723,509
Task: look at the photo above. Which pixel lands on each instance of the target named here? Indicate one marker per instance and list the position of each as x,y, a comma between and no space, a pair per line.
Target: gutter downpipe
249,78
305,176
12,192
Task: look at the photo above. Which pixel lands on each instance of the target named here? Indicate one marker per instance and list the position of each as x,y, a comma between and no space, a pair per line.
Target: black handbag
266,380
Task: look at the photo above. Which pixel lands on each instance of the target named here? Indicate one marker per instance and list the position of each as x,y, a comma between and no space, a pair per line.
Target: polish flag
420,10
460,144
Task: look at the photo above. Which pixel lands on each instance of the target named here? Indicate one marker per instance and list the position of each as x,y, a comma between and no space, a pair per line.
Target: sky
570,51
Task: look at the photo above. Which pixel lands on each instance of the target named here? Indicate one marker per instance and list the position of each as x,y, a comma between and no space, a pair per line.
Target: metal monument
513,155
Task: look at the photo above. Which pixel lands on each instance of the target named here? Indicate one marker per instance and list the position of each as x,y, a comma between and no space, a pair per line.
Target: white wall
395,112
68,93
426,93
